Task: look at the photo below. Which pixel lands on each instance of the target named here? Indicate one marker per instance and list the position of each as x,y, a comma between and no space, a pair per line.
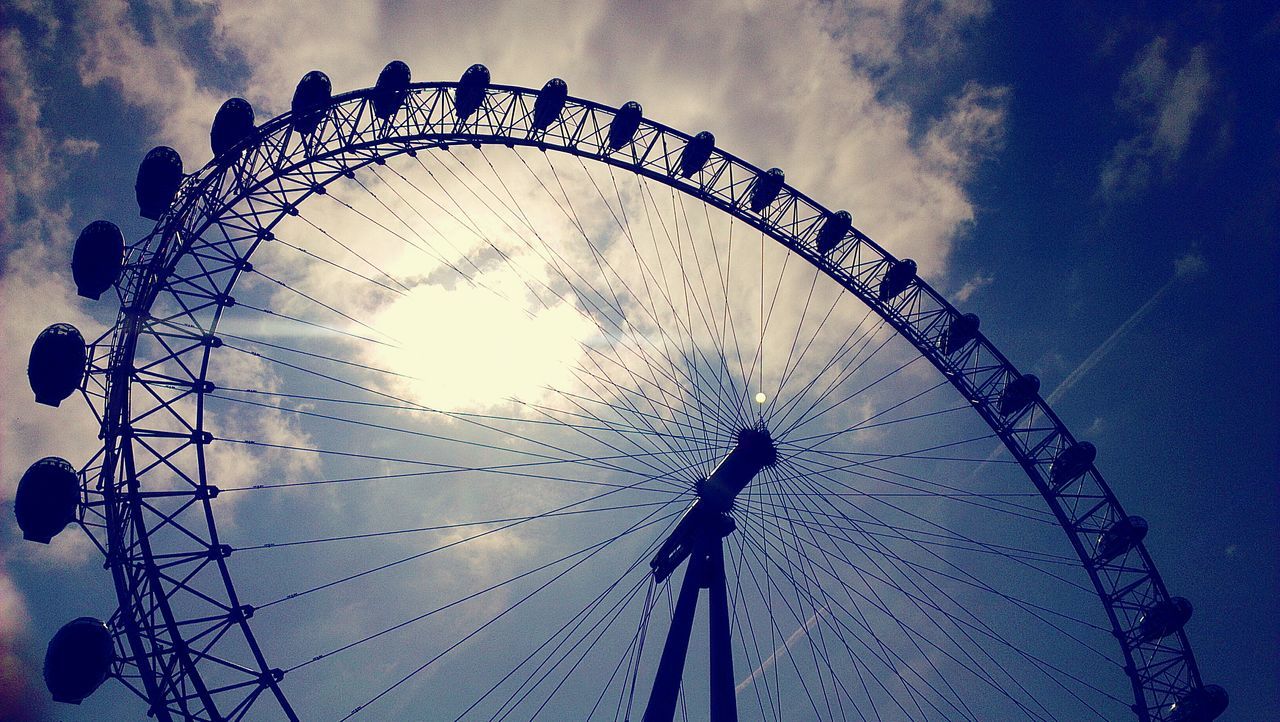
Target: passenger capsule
833,231
1202,704
57,363
625,124
897,278
232,124
391,89
1163,619
1018,394
159,177
1120,537
78,659
97,258
470,93
310,100
550,103
696,153
962,330
765,188
1071,463
46,499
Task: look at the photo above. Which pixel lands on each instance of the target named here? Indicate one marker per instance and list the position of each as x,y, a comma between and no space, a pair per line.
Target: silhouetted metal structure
211,224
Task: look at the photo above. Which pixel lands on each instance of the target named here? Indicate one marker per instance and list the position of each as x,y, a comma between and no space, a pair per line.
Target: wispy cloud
1165,102
31,227
783,85
975,283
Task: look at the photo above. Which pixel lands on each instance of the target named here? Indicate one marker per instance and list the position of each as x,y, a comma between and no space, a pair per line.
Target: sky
1097,181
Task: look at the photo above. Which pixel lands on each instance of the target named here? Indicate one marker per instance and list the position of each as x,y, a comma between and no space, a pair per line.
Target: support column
666,683
724,705
699,537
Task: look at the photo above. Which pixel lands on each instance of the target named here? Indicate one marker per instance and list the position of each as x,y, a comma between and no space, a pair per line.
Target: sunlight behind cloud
467,348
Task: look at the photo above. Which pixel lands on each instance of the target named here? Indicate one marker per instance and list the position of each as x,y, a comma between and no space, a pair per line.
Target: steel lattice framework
179,614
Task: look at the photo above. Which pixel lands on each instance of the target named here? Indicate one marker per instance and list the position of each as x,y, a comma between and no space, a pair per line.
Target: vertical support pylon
699,537
724,705
666,683
704,571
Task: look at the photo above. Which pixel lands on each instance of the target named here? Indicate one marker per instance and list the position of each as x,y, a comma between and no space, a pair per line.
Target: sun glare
466,348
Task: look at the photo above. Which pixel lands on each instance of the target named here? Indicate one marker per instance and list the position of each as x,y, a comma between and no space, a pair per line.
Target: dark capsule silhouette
549,103
625,124
232,124
159,177
97,258
46,499
696,153
897,278
1071,463
471,89
392,88
764,189
310,100
1018,394
57,363
962,330
1164,618
1120,537
78,659
1202,704
833,231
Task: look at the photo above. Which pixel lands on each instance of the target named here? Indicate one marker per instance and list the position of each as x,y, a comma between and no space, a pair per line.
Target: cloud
972,130
150,70
80,146
21,694
33,233
780,84
977,281
1165,103
34,236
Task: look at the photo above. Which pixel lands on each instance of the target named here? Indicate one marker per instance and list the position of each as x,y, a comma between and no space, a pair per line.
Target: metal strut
705,571
699,537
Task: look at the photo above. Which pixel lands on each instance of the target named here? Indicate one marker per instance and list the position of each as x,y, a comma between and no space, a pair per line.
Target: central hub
708,517
754,451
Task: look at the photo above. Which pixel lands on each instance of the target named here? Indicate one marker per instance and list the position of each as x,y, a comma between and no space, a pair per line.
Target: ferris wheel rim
170,230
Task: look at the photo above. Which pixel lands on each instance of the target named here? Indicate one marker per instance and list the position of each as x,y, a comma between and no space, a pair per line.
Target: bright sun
467,348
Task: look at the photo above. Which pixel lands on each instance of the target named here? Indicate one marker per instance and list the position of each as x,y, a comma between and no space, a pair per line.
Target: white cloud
972,129
972,286
151,71
1165,103
80,146
34,234
778,83
21,696
498,352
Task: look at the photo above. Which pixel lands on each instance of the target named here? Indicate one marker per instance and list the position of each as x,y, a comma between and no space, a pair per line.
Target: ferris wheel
447,400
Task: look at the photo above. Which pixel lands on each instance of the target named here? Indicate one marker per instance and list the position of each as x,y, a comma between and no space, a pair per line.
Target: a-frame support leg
705,569
666,683
724,705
